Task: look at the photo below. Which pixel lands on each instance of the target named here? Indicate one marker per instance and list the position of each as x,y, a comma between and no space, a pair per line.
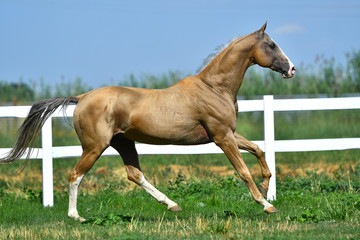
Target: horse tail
32,125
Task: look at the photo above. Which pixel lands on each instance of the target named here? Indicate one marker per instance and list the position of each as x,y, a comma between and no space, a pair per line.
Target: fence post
269,143
47,164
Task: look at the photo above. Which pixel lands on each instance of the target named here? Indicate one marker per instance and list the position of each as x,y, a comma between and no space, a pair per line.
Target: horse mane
218,50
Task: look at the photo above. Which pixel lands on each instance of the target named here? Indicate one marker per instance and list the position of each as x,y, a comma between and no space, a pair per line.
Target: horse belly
172,132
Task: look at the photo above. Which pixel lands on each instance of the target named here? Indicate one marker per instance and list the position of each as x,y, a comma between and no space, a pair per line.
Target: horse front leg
228,144
252,148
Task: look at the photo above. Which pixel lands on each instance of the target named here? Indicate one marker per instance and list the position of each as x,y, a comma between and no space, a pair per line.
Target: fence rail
268,105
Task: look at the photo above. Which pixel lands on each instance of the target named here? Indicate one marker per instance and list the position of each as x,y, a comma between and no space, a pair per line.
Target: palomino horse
196,110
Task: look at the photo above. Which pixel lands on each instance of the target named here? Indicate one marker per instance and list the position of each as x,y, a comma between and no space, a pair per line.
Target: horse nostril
293,69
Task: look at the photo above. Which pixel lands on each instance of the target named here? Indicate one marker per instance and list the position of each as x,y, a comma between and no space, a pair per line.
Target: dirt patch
103,177
282,170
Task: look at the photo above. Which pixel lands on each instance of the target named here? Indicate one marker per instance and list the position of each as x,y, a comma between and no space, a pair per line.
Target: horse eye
272,45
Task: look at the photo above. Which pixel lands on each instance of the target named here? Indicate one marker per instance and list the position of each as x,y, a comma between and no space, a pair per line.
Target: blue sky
103,41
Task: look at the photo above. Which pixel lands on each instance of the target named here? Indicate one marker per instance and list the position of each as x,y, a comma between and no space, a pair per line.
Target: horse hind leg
127,151
89,156
245,144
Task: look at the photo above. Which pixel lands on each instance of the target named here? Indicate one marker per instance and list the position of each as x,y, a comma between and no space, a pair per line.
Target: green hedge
324,76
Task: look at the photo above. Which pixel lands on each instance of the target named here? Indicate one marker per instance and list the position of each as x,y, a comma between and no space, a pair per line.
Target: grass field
313,206
317,193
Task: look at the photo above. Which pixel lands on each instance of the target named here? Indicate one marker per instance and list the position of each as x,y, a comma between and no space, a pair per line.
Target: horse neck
226,72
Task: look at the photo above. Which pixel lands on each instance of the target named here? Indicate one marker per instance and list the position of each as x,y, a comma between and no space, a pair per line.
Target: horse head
268,54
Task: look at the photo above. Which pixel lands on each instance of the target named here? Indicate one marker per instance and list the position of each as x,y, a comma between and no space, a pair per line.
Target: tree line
324,76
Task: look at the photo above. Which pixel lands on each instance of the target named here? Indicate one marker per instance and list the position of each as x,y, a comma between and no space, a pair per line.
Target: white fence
268,105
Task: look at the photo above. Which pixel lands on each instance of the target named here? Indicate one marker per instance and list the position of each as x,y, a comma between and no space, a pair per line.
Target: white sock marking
265,203
159,196
73,192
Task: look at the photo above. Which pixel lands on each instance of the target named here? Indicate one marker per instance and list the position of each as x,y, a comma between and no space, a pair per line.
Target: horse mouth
290,73
286,75
286,70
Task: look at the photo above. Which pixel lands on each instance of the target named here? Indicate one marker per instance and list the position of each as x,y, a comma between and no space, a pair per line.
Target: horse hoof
77,218
263,190
271,209
80,219
175,208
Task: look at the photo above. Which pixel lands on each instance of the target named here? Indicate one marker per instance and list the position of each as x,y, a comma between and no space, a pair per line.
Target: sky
103,41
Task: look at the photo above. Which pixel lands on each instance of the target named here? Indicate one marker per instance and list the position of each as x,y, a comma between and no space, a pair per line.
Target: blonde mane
218,50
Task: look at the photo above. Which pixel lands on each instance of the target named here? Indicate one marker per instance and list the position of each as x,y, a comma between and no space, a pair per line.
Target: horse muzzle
290,73
287,69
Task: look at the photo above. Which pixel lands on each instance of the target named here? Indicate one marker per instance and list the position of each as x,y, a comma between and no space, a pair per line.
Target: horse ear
262,29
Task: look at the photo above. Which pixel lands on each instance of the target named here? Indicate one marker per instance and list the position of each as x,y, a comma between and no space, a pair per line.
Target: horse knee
134,174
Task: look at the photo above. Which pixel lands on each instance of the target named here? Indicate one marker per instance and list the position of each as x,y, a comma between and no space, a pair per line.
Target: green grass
311,207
